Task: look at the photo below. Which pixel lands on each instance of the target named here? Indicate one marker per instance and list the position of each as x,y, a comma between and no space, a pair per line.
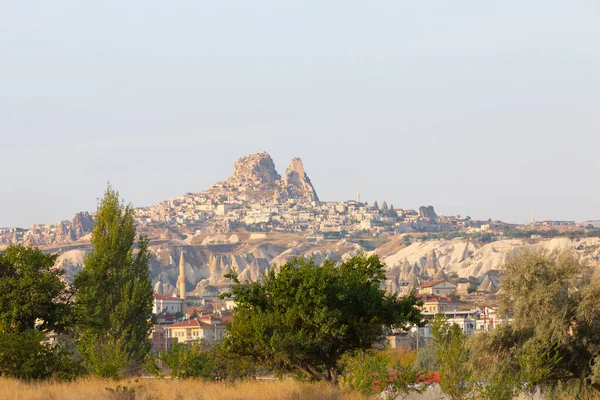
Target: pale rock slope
211,257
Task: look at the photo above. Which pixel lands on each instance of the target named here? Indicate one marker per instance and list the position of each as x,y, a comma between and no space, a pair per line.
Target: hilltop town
257,218
257,199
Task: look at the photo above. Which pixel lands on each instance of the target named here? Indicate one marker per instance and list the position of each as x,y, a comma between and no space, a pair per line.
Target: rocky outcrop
82,224
62,232
257,168
427,212
256,177
209,261
297,183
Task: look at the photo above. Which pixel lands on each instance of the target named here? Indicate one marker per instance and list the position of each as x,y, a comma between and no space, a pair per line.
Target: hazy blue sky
485,108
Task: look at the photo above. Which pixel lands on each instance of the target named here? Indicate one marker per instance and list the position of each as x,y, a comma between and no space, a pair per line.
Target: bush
197,361
426,359
24,356
368,372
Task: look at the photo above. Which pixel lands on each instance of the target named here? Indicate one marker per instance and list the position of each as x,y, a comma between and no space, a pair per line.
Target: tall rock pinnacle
297,181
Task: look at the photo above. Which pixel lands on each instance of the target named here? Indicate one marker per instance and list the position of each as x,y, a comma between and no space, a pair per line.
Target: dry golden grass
168,389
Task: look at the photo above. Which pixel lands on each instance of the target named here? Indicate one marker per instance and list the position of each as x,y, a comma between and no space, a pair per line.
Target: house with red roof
437,304
166,304
440,287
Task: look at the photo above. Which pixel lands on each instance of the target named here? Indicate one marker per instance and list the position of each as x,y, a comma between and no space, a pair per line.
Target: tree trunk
318,374
333,373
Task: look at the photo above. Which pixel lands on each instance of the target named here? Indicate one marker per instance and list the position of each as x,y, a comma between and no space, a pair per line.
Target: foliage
197,361
494,375
560,341
306,317
426,359
33,301
113,306
24,355
31,289
449,342
407,381
362,367
368,372
401,357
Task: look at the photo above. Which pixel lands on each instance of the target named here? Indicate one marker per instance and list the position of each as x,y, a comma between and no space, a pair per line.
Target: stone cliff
427,212
210,257
61,233
297,183
256,177
257,169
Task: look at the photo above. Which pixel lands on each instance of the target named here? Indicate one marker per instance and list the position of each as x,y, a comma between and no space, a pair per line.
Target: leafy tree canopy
306,317
30,289
449,344
554,339
113,307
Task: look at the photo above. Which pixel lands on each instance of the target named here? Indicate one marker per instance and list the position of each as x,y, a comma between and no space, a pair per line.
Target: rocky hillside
210,257
211,229
63,232
256,177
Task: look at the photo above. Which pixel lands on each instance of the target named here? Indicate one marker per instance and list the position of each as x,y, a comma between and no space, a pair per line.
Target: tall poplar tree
113,305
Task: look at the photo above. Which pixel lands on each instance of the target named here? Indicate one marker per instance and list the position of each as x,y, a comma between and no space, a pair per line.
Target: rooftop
430,283
164,297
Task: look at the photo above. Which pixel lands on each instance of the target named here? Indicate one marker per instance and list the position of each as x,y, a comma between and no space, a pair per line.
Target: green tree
199,361
426,359
555,335
33,301
31,289
113,306
364,370
494,373
453,356
25,355
368,372
306,317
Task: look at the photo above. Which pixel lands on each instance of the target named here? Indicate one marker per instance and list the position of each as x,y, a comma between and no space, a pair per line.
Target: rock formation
257,168
60,233
297,183
207,262
427,212
256,177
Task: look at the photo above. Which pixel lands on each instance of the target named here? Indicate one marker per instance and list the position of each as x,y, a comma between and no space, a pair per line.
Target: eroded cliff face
257,169
467,258
210,258
297,183
61,233
256,177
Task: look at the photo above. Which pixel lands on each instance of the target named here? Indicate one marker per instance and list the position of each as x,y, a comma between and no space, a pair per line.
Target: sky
479,108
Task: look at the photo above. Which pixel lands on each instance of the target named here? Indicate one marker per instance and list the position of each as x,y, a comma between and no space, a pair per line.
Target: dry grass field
167,389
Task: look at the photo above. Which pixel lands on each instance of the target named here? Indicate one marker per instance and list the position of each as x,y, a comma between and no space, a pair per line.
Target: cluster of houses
178,322
201,211
440,297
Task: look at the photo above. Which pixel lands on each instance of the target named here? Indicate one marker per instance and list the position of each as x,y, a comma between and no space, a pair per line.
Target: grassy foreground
155,389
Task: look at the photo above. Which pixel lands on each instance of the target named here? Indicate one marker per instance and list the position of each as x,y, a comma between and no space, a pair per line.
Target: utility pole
418,337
